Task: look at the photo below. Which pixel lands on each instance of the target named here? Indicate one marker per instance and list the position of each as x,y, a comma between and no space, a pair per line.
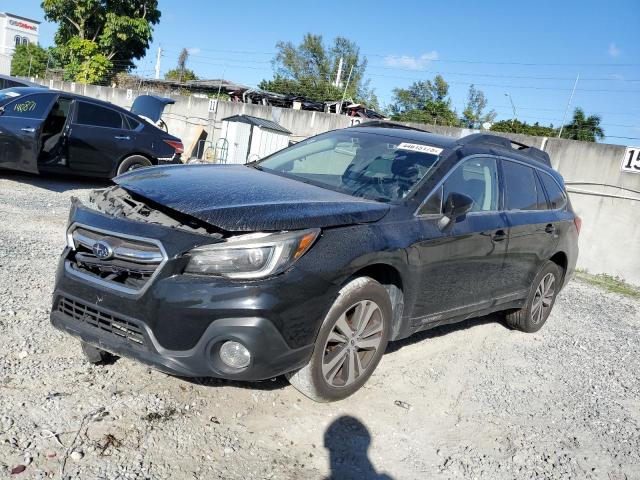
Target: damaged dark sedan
309,262
45,130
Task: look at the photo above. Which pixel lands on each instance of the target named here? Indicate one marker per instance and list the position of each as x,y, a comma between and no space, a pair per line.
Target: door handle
499,236
28,129
550,229
122,137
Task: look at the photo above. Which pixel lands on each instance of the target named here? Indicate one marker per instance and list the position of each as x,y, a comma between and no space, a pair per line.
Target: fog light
235,355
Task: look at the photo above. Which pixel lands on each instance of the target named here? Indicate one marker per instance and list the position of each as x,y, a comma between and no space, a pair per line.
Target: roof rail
498,141
385,124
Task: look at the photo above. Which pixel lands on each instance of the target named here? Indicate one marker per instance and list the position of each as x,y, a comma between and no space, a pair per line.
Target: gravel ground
473,400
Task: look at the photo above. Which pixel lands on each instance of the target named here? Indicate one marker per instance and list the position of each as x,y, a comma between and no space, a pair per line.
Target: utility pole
339,74
30,59
158,56
513,107
344,94
564,117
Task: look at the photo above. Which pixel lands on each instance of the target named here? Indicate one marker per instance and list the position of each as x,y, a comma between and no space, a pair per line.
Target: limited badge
416,147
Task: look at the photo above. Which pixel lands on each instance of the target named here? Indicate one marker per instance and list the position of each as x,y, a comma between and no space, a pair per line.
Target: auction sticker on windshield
416,147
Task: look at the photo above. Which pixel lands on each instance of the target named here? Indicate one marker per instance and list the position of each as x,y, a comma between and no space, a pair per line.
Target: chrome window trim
98,281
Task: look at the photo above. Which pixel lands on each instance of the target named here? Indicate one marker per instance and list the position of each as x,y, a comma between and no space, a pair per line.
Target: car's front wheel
540,301
132,163
350,344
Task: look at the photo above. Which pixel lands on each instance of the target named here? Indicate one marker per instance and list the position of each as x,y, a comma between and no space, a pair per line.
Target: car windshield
9,93
373,166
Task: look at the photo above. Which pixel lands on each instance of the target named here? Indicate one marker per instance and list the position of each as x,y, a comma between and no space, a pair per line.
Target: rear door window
557,197
98,116
520,184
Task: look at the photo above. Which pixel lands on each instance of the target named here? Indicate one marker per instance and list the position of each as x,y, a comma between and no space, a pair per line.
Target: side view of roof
476,139
489,140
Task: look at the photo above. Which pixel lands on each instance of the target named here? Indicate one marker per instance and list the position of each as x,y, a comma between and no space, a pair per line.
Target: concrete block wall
610,224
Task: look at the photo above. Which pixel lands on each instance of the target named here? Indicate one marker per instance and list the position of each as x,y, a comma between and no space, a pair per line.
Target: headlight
251,256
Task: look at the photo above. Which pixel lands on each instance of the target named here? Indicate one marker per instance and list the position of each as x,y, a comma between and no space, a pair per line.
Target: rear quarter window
557,197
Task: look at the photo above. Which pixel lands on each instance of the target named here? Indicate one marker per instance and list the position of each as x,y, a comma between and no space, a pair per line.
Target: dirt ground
473,400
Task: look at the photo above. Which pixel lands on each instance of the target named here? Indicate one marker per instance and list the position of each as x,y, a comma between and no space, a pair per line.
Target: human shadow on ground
347,439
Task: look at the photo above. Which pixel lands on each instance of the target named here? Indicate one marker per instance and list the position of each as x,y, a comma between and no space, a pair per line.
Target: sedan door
98,138
532,227
20,129
460,265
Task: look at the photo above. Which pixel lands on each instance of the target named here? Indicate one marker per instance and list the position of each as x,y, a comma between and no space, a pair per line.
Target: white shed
252,138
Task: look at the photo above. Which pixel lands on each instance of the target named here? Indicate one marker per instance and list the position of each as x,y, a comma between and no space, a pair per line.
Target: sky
532,53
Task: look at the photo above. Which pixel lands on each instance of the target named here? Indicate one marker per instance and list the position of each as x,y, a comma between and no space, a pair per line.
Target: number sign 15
631,160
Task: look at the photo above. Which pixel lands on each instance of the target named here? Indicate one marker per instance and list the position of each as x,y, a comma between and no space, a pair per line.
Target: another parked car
7,81
308,262
51,131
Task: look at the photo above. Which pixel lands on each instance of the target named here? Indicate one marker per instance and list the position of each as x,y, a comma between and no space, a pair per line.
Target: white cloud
193,51
409,62
613,50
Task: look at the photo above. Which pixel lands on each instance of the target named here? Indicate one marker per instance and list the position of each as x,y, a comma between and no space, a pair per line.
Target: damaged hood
241,198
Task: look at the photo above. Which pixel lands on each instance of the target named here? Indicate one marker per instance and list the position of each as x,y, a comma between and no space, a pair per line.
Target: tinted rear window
97,116
557,197
520,182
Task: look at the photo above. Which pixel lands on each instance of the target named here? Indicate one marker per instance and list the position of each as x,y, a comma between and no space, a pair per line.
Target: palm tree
583,128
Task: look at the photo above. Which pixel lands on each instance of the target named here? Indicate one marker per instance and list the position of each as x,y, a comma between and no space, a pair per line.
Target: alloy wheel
352,344
543,298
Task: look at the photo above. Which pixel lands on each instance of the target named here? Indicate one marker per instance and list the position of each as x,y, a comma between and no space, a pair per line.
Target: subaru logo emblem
102,250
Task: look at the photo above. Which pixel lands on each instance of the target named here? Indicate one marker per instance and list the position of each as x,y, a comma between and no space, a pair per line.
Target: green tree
29,60
97,39
424,102
473,115
181,73
310,70
516,126
583,128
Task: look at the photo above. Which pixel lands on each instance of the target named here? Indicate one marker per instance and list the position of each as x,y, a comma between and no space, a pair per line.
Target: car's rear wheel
540,301
350,344
132,163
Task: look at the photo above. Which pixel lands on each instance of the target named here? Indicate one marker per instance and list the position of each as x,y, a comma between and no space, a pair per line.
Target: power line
445,60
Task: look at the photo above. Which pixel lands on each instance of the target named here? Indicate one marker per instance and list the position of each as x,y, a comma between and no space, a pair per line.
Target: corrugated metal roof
258,122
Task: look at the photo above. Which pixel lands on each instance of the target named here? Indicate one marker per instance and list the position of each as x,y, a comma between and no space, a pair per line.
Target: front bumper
270,354
184,319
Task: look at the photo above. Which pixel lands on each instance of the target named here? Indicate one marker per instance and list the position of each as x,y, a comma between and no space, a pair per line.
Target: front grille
126,264
119,327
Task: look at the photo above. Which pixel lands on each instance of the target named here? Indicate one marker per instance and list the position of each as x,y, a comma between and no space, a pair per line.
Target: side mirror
1,110
455,206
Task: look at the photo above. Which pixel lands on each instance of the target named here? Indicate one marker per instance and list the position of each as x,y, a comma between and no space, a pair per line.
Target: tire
344,357
540,302
133,162
94,354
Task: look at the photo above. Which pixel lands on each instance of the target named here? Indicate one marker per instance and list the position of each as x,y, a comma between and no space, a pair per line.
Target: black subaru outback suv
308,262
